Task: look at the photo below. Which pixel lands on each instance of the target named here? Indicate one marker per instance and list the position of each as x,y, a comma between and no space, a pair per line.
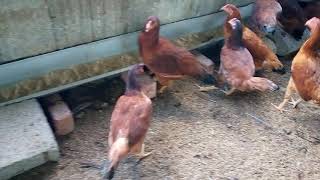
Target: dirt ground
199,136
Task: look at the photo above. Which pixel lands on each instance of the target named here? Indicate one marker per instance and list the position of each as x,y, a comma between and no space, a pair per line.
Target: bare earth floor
202,136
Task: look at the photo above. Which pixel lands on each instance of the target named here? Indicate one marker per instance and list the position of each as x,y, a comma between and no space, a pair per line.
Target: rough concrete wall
33,27
78,72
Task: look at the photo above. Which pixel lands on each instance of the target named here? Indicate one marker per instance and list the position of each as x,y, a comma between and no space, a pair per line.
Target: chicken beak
148,26
141,68
223,8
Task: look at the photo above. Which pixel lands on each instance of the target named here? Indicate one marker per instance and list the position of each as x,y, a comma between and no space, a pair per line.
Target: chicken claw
295,102
285,101
280,107
162,89
142,154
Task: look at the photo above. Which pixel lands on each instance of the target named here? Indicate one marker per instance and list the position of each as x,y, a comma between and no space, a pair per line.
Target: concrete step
26,139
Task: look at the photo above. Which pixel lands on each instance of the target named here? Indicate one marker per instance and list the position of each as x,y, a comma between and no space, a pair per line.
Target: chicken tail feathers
260,84
109,174
118,150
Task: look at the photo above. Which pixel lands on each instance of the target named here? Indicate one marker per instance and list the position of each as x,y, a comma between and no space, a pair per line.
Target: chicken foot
161,90
206,89
231,91
295,102
164,85
141,155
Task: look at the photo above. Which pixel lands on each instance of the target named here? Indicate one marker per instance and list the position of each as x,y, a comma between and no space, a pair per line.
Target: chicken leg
142,153
291,88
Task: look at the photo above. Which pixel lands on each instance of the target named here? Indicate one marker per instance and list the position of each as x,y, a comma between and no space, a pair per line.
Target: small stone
287,131
303,150
197,156
229,126
104,105
177,104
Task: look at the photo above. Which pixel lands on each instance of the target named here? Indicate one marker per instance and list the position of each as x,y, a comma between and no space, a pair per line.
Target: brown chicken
166,60
292,18
305,77
129,122
263,56
264,17
237,67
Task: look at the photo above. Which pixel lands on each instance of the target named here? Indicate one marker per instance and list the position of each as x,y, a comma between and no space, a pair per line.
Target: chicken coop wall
32,27
69,67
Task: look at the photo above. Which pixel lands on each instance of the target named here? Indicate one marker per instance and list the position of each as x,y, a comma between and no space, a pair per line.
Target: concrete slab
26,139
285,43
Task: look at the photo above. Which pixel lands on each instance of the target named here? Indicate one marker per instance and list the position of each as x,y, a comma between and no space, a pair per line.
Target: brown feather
237,66
130,120
292,18
306,65
262,55
264,15
166,60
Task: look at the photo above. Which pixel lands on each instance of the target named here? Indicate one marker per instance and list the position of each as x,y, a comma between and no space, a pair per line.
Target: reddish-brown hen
305,77
166,60
129,122
292,18
262,55
264,17
237,67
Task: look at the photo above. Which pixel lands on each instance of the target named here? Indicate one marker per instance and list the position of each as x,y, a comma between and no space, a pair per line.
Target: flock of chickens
242,55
